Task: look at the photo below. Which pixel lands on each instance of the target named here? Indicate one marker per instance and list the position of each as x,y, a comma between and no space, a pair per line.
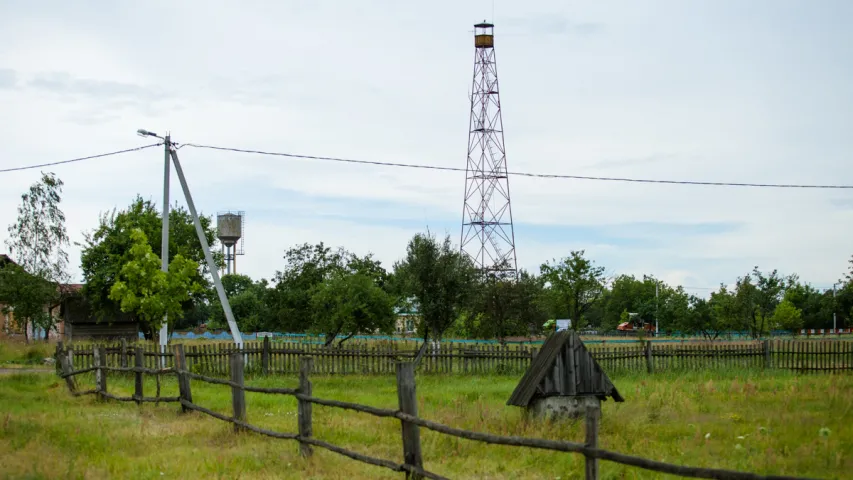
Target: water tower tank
229,228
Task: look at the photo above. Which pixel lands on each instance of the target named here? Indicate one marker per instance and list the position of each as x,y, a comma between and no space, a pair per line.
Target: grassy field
13,353
773,423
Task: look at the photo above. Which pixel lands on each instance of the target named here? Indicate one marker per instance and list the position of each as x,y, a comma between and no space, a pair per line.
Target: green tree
756,298
249,303
38,240
786,316
105,251
306,267
706,317
626,295
842,304
529,303
669,306
504,307
440,278
349,303
573,285
816,307
25,296
236,283
148,293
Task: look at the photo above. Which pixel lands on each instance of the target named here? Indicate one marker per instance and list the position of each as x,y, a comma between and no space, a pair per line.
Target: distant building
9,326
73,318
81,324
408,318
7,319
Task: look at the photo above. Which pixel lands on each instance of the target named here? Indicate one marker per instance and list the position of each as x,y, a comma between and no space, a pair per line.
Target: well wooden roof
563,367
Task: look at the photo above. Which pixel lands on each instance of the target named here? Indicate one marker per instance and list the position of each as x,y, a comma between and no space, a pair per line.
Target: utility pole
833,310
226,306
164,243
656,308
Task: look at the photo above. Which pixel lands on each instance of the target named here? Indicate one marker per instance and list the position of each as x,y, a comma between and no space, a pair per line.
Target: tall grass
770,423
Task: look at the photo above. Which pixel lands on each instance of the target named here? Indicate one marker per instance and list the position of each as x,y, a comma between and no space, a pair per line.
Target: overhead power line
90,157
523,174
441,168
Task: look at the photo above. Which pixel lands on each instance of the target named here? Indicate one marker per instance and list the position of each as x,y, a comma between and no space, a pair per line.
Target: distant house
408,318
81,324
7,319
9,326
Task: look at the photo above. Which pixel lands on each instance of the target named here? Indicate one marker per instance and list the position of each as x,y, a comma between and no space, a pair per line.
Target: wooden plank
123,352
559,373
572,367
304,408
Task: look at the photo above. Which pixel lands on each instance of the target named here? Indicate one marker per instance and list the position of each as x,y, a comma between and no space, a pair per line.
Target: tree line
332,291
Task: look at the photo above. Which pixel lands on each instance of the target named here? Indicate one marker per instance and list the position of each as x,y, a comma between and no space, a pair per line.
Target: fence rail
406,413
271,357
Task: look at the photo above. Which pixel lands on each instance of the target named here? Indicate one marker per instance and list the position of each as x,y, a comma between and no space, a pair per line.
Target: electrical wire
28,167
442,168
523,174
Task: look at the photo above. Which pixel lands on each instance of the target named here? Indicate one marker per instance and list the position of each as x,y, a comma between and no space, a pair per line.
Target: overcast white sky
756,91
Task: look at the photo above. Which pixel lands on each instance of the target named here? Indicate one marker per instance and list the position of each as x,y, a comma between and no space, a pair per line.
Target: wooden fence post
265,356
650,366
123,353
70,353
408,401
768,363
306,365
593,413
238,395
139,362
59,352
65,365
183,378
100,374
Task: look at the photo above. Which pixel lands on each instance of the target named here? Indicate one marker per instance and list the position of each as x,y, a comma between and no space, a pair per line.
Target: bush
33,355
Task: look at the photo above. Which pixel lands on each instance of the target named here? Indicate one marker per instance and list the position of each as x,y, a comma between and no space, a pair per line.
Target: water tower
229,229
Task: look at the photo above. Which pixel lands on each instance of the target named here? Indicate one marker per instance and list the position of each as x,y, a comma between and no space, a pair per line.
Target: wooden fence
407,413
269,357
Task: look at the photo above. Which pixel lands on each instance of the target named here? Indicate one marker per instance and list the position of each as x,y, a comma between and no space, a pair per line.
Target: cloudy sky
736,91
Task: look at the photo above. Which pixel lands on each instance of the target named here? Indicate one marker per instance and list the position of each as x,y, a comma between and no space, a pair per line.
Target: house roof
563,366
409,307
71,287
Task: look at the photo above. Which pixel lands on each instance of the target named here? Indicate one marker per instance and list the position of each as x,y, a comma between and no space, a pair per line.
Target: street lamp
145,133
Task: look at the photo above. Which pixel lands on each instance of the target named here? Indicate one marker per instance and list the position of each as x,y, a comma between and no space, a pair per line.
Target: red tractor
635,324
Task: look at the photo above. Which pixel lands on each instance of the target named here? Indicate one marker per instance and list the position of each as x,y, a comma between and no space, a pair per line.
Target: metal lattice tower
487,234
